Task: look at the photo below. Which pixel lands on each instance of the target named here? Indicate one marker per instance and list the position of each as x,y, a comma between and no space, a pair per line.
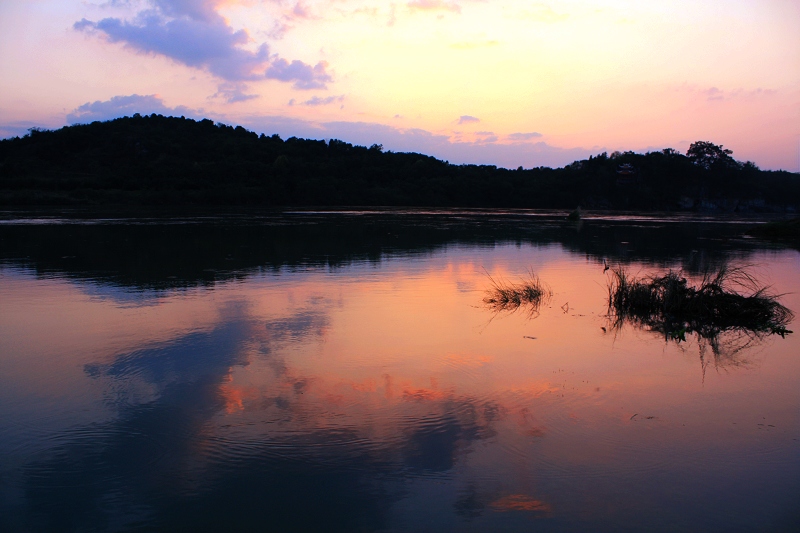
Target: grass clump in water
728,299
529,293
728,311
575,215
787,230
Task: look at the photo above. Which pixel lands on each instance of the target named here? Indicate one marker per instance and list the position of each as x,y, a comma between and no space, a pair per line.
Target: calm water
339,372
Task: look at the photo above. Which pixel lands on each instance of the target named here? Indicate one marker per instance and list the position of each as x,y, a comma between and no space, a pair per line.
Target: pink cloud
434,5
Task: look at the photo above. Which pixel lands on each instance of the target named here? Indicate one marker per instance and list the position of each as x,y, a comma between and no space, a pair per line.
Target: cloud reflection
339,394
204,446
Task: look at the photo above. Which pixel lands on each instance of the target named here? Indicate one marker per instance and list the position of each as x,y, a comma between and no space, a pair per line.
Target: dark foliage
136,249
783,230
709,155
727,310
727,299
157,160
529,294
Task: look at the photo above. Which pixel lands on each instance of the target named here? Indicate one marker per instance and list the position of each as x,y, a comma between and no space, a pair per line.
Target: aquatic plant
728,298
530,293
575,215
727,301
785,230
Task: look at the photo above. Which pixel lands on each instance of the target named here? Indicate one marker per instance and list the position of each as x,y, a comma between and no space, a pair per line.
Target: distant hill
157,160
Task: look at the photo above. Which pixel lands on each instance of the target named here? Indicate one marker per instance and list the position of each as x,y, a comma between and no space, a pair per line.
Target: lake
340,371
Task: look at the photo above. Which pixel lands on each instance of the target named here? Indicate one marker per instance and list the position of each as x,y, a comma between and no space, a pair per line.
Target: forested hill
157,160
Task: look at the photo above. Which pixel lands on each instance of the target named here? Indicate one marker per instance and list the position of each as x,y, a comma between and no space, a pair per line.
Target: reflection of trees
164,254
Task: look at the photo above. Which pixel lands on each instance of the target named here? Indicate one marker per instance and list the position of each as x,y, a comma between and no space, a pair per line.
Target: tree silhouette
709,155
157,160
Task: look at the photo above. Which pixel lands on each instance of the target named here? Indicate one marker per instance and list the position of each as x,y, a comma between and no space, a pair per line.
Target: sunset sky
471,81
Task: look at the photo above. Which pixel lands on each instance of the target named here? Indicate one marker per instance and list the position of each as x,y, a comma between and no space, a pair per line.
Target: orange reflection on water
520,502
467,360
405,361
234,396
367,385
425,395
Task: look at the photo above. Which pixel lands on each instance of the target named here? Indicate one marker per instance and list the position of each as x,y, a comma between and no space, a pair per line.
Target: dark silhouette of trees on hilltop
709,155
157,160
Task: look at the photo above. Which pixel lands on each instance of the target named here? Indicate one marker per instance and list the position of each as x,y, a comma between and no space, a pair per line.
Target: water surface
339,372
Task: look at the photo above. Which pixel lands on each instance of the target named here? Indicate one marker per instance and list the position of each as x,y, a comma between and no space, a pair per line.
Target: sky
509,83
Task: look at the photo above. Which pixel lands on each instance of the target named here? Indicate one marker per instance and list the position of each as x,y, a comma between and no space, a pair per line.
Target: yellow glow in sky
508,83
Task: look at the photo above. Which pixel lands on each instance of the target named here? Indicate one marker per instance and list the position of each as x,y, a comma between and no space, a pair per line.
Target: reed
530,293
575,215
787,230
730,298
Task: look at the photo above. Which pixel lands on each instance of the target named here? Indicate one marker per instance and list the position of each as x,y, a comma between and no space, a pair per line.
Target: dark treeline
157,160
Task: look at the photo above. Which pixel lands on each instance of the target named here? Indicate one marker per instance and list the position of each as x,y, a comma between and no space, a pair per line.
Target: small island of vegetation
530,293
727,299
782,230
158,160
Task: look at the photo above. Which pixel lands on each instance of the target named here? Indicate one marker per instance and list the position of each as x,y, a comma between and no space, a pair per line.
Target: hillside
157,160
